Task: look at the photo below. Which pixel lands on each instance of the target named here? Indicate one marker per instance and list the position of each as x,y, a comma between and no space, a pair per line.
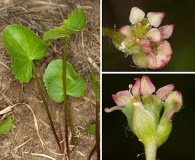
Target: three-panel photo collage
97,80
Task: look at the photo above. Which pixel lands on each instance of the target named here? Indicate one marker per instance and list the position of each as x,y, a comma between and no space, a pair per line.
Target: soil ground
23,142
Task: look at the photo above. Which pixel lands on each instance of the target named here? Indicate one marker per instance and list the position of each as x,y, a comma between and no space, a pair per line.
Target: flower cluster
143,108
146,42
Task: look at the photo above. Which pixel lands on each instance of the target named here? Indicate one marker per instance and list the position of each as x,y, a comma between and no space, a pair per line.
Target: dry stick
46,106
65,97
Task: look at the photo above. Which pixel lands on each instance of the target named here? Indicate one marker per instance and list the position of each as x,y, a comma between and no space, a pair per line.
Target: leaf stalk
46,106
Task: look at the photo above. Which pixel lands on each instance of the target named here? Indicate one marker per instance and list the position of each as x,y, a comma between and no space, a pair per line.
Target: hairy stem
46,106
65,97
150,150
97,130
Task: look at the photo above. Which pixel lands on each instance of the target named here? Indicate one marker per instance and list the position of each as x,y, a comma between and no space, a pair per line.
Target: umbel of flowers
146,43
148,112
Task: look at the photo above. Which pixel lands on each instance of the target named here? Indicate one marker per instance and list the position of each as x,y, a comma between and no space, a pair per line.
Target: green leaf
6,125
91,129
75,85
24,46
57,32
76,22
95,86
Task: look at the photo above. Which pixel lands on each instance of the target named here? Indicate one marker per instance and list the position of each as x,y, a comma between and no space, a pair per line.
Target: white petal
154,34
164,49
155,18
166,31
136,15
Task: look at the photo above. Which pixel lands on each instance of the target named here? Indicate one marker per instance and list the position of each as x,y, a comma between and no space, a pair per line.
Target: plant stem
71,124
65,97
97,130
150,150
91,153
46,106
60,130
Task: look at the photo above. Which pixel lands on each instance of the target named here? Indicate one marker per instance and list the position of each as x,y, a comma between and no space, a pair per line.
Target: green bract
24,46
75,85
6,125
76,22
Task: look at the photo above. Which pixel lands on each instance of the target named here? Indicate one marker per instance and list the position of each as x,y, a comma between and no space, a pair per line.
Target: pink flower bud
125,30
174,101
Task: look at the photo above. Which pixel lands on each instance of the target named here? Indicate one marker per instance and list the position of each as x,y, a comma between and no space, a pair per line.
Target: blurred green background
119,143
179,13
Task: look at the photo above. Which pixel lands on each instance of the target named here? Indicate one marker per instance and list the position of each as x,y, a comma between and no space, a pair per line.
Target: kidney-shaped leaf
76,22
53,80
24,46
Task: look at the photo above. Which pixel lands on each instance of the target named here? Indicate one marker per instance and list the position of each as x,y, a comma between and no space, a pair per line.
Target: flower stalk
150,150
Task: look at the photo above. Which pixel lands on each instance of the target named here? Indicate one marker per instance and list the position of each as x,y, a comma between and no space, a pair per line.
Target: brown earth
23,141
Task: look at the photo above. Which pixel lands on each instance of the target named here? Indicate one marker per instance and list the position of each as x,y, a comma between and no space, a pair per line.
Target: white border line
100,80
147,72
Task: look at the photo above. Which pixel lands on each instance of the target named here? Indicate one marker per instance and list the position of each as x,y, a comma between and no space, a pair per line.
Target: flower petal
147,86
125,30
155,18
136,15
157,61
136,87
164,92
162,60
151,58
154,35
164,49
121,97
166,31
